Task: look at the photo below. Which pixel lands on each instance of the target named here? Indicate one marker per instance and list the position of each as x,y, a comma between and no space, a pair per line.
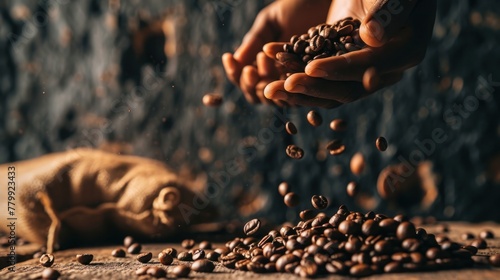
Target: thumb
384,20
260,34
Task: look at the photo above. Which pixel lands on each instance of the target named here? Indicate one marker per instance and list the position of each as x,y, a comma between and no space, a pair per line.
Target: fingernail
298,88
280,95
318,73
376,29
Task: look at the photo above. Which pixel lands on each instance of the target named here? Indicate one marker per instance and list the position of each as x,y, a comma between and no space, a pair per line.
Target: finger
232,67
266,67
385,18
259,91
248,80
277,90
271,49
343,92
373,80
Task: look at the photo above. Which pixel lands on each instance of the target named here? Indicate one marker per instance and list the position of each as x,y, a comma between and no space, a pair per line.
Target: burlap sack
87,196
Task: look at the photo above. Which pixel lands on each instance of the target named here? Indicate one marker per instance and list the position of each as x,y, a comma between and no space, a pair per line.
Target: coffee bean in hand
252,227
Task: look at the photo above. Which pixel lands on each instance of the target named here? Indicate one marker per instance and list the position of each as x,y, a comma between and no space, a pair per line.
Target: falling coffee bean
251,227
291,128
144,257
291,199
118,253
203,266
46,260
283,188
127,241
165,258
181,271
84,258
319,202
335,147
495,260
188,243
212,99
314,118
352,189
50,274
338,125
357,164
294,152
134,248
381,144
486,234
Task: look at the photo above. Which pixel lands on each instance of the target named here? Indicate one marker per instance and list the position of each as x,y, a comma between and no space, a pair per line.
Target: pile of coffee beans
321,41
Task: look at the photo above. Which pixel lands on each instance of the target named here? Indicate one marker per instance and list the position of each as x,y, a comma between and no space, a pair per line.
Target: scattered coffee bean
156,272
314,118
495,260
47,260
467,236
181,271
134,248
212,99
319,202
338,125
213,256
381,144
486,234
165,258
170,251
84,258
283,188
144,257
479,243
251,227
118,253
188,243
357,164
141,271
127,241
185,256
205,245
198,254
203,266
291,199
352,189
50,274
294,152
335,147
291,128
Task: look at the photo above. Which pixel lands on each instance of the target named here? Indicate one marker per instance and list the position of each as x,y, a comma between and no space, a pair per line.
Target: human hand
249,68
396,38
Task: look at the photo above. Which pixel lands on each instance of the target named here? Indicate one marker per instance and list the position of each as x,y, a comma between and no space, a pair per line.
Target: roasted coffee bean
141,271
411,244
471,249
118,253
144,257
213,256
288,48
307,214
156,272
84,258
205,245
314,118
443,228
335,147
251,227
198,254
50,274
319,202
361,270
357,164
479,243
393,267
267,238
294,39
170,251
383,247
290,128
316,43
495,260
291,199
127,241
321,55
338,125
349,227
370,227
165,258
346,30
329,33
300,46
467,236
284,188
381,142
203,266
353,244
352,189
181,271
294,152
47,260
389,226
135,248
185,256
188,243
313,31
285,260
291,62
212,99
406,230
486,234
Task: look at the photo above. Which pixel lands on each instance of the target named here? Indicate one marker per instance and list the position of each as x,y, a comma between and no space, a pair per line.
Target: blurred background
129,76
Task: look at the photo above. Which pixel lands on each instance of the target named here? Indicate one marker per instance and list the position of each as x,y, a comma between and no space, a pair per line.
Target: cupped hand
249,68
396,33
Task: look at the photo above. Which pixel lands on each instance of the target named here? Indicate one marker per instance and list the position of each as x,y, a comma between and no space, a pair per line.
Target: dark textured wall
93,73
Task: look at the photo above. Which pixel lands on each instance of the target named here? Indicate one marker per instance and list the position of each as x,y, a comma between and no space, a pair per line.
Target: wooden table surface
104,266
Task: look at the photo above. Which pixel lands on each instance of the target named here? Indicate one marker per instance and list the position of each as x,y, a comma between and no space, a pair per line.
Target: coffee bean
393,267
47,260
467,236
188,243
205,245
335,147
471,249
294,152
118,253
144,257
300,46
357,164
156,272
290,128
127,241
181,271
294,39
479,243
307,214
346,30
198,254
213,256
370,227
361,270
203,266
319,202
495,260
288,48
389,226
283,188
291,62
406,230
338,125
486,234
141,271
291,199
349,227
212,99
165,258
251,227
84,258
381,144
185,256
50,274
314,118
170,251
352,189
135,248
